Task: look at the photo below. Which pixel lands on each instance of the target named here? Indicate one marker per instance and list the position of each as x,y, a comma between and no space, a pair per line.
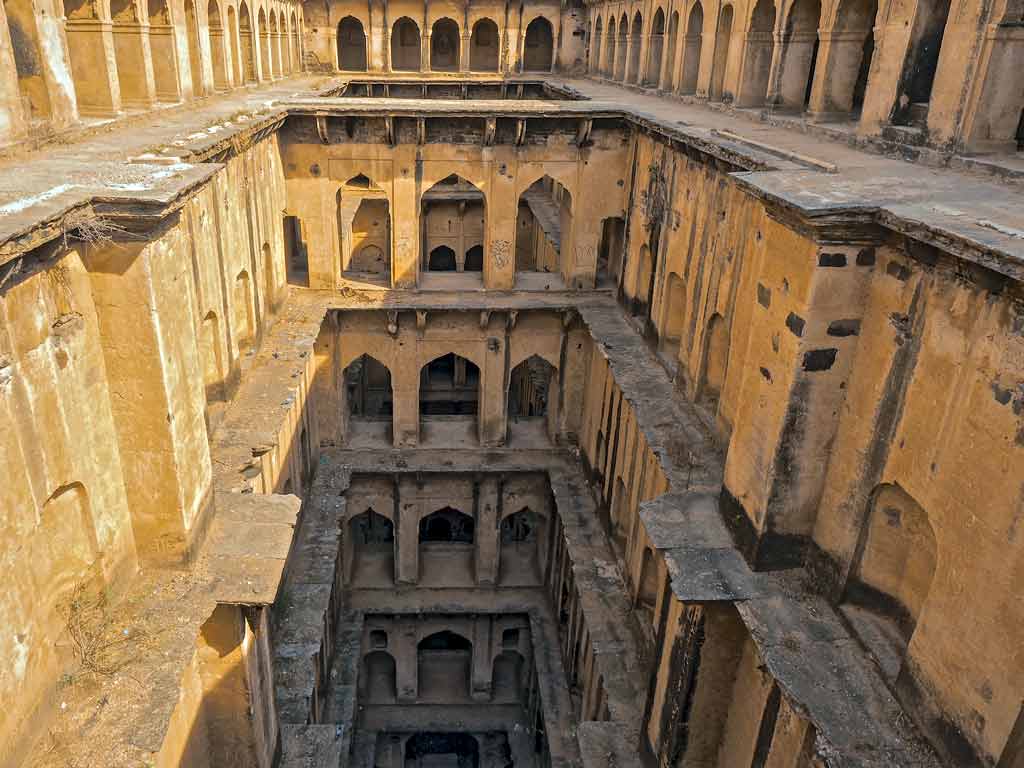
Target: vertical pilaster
487,528
407,531
94,66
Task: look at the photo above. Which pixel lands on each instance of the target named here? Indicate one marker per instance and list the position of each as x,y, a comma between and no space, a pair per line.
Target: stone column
464,53
405,219
491,416
487,528
94,66
832,92
425,51
404,650
500,238
407,532
480,672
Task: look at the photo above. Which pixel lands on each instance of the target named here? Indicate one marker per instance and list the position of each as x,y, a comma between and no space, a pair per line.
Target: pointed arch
507,676
544,226
608,68
621,48
405,45
195,57
351,45
539,46
454,220
484,46
370,550
377,683
445,42
668,79
656,46
636,37
218,52
247,44
595,48
723,41
758,55
521,537
692,49
800,45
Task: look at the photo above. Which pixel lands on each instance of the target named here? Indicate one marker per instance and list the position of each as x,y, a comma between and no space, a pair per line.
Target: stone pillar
832,92
480,672
487,531
148,335
404,650
500,238
94,66
491,416
135,65
407,532
464,53
13,119
320,228
425,51
405,219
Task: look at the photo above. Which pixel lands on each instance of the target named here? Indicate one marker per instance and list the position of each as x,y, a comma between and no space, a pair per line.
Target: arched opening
595,47
370,550
507,677
519,562
609,250
441,259
921,63
717,358
723,38
543,227
244,312
799,54
672,317
850,52
266,62
608,70
621,48
449,387
474,259
217,50
655,45
377,681
636,36
758,59
669,80
691,49
405,45
891,576
453,216
529,385
364,231
213,358
444,46
443,664
195,61
370,402
296,45
246,44
283,56
129,59
483,47
274,42
28,60
447,549
539,46
647,589
442,749
164,52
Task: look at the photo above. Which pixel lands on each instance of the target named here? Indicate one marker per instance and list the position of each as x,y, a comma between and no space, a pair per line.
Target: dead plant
100,647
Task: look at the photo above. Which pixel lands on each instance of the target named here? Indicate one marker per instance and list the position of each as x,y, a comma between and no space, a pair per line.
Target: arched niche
656,49
800,45
370,550
758,55
453,216
891,575
608,68
636,36
521,559
507,677
247,44
445,43
544,230
484,46
351,45
720,62
595,47
539,45
532,403
443,662
370,403
218,46
364,231
377,681
405,45
691,49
